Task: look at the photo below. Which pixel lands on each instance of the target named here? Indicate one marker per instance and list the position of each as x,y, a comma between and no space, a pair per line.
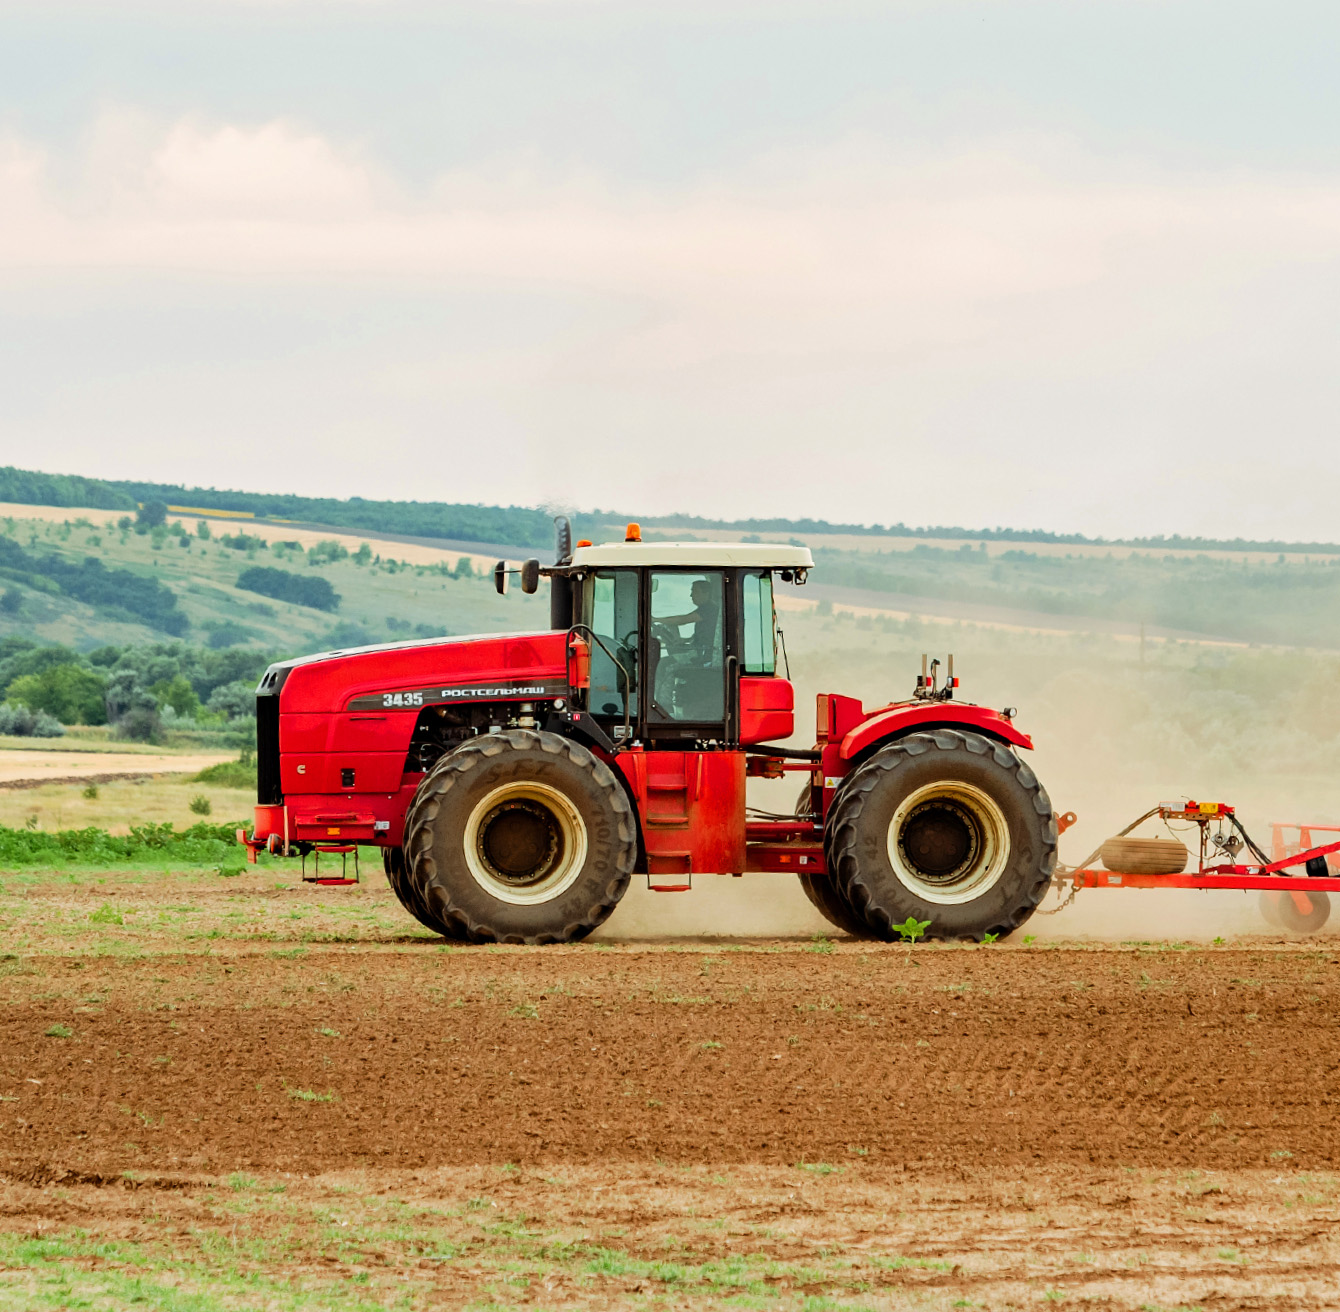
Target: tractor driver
704,616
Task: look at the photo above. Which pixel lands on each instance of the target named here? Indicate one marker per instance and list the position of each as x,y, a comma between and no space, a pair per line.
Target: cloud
998,297
819,236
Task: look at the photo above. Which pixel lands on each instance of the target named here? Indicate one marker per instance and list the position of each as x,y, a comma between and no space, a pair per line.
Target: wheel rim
948,842
525,843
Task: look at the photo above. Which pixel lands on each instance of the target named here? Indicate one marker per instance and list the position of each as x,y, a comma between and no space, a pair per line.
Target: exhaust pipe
560,595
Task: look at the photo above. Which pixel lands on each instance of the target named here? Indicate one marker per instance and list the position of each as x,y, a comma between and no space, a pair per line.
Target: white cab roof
720,555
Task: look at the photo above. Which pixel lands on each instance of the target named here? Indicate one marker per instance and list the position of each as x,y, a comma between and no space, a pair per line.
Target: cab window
609,606
686,647
760,624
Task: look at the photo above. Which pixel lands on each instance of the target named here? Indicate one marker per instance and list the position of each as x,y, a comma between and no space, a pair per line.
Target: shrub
240,541
152,514
177,693
140,724
234,701
227,633
282,585
19,721
200,805
229,774
11,602
327,551
71,693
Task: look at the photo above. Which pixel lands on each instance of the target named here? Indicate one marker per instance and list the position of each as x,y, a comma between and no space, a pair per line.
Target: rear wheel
520,837
946,827
1304,913
1268,904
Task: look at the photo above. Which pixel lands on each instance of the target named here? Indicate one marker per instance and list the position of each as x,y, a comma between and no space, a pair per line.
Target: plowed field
200,1110
926,1058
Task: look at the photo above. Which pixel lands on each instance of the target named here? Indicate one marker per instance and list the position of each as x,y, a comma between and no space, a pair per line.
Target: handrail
595,637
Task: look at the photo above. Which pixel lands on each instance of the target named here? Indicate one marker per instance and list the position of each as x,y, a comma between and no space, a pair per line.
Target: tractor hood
408,675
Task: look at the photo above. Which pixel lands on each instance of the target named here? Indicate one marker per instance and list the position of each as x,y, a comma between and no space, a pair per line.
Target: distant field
1257,598
120,803
877,543
405,594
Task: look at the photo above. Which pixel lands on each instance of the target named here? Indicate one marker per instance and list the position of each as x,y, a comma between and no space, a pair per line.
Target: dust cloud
1118,727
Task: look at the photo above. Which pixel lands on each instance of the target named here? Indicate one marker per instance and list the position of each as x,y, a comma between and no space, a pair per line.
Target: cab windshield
688,682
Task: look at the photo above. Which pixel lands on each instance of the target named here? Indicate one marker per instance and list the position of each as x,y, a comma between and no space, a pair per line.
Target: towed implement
1294,880
517,782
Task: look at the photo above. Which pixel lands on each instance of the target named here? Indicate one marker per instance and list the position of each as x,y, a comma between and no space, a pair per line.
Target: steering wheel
668,636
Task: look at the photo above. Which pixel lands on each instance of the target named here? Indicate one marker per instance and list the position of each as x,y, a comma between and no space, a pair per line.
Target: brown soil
934,1059
622,1235
798,1125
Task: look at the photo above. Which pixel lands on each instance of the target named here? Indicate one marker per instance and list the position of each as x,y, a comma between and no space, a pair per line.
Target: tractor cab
683,639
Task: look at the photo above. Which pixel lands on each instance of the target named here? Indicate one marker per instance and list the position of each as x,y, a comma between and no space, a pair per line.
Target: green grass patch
201,844
228,774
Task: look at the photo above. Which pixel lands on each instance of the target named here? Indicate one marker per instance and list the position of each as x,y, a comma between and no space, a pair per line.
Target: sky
1025,263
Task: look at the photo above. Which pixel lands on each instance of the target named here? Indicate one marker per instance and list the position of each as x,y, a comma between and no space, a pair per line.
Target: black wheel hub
940,840
520,842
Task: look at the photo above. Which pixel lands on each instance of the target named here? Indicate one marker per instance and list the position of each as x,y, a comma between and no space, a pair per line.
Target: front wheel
945,827
397,875
520,837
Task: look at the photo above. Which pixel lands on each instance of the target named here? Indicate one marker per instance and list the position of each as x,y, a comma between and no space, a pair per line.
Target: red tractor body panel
767,709
910,717
346,720
691,809
332,682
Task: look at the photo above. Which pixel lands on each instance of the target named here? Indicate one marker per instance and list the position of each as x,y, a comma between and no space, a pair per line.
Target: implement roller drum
1145,856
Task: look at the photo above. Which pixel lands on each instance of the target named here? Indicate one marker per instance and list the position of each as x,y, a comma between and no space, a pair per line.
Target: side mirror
500,577
530,575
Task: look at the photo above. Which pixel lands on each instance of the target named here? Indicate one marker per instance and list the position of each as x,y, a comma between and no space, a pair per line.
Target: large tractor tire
945,827
393,861
520,837
822,890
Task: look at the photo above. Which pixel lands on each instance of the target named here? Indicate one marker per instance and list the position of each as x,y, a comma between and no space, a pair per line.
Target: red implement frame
1266,875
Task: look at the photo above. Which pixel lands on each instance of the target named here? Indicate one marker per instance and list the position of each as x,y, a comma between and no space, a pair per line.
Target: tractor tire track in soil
935,1059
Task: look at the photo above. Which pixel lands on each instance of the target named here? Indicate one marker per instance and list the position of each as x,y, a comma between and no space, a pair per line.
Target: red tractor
515,782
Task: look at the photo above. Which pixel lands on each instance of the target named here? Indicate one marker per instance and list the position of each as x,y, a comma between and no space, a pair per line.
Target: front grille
268,792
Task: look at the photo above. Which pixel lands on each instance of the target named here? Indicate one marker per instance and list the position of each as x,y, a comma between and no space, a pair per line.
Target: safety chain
1062,871
1063,822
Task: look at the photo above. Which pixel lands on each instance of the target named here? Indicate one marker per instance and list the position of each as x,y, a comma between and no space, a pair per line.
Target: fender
897,721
